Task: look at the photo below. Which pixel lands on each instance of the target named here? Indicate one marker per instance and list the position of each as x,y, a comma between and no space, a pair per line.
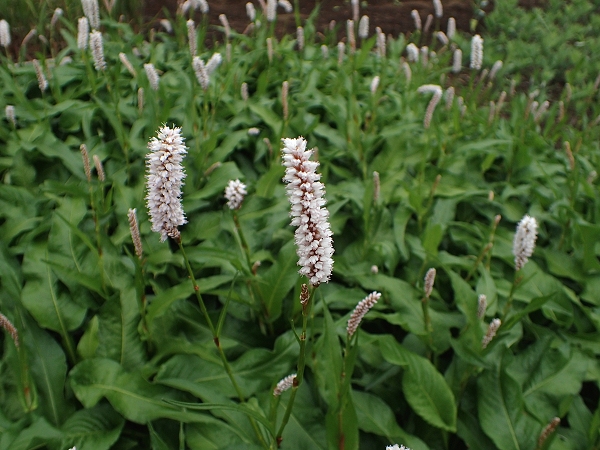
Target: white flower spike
165,179
235,193
524,241
314,245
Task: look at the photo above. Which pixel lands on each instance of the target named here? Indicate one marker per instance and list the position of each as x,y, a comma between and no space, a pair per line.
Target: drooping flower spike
360,311
285,384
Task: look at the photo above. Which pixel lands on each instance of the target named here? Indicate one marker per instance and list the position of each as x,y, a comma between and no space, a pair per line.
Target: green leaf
427,392
279,279
305,430
97,428
375,416
332,135
215,436
501,414
52,308
49,370
424,387
589,235
163,300
39,434
228,145
217,181
242,408
327,364
254,371
129,393
465,298
268,116
469,430
401,218
404,299
118,336
548,376
534,305
265,187
432,237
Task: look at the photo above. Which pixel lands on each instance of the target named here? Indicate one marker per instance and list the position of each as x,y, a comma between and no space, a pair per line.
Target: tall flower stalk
293,382
164,181
314,245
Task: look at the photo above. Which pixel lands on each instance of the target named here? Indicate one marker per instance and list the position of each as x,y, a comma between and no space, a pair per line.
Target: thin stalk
95,217
217,342
251,286
301,365
482,254
513,288
427,321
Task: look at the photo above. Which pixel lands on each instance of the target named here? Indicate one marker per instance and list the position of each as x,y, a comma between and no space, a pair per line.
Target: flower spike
165,178
314,245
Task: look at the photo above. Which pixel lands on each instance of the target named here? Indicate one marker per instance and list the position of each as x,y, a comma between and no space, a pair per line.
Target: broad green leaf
163,300
375,416
465,298
401,218
39,434
229,144
49,369
487,286
118,336
96,428
432,237
215,436
332,135
304,430
129,393
548,376
156,440
265,187
501,413
253,371
428,393
342,427
469,430
281,277
53,308
327,362
268,116
217,181
404,300
589,235
424,387
242,408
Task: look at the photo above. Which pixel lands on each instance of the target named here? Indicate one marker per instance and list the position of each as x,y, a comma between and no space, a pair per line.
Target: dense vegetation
113,348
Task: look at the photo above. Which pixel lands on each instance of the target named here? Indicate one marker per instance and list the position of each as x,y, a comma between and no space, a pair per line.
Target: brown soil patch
391,16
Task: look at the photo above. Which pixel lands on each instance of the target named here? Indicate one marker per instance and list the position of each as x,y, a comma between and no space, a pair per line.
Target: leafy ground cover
181,344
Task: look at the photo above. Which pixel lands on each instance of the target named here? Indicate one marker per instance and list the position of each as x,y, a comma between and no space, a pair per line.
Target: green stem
216,340
301,365
251,285
98,238
427,320
513,288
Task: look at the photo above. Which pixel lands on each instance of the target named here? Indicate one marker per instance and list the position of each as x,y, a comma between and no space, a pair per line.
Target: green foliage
183,347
